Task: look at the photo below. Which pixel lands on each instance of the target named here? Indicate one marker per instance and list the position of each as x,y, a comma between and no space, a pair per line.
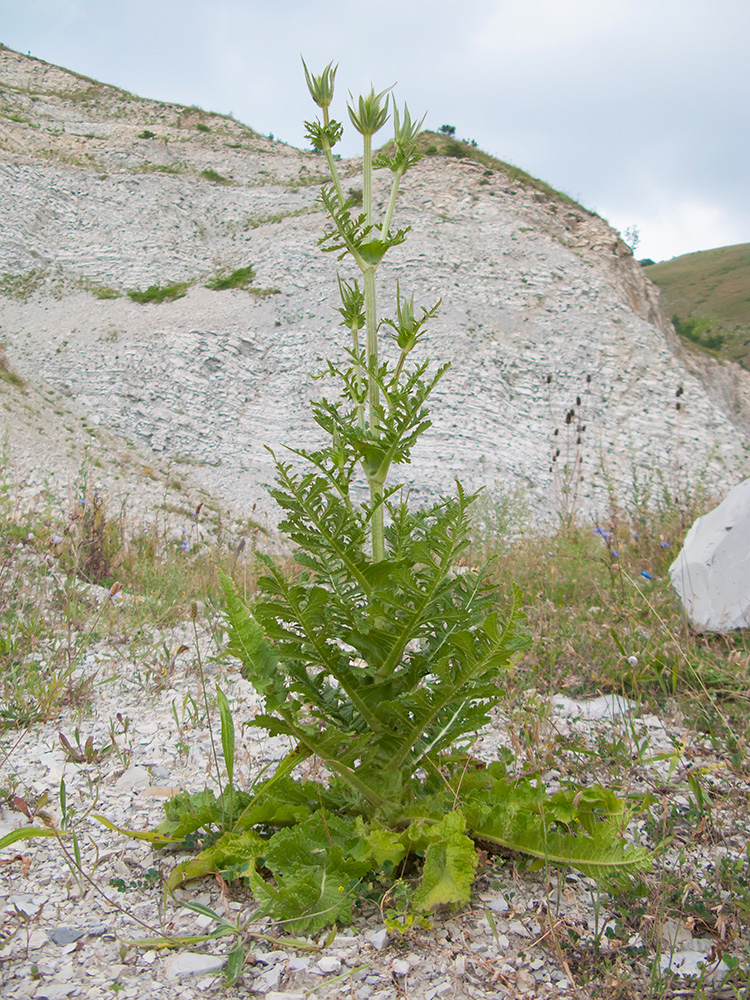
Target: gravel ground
68,931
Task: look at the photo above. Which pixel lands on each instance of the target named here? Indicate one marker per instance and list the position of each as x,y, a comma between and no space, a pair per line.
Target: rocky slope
542,304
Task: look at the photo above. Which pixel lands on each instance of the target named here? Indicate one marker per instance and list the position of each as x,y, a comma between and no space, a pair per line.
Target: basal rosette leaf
519,816
231,850
316,866
187,813
385,847
450,864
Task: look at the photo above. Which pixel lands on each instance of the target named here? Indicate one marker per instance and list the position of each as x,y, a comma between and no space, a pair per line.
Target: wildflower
615,554
664,544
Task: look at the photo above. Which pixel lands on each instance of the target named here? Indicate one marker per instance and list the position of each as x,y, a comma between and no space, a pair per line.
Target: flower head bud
370,114
352,305
407,328
405,135
406,132
321,87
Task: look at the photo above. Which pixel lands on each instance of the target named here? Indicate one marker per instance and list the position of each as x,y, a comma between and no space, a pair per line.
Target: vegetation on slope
708,296
439,144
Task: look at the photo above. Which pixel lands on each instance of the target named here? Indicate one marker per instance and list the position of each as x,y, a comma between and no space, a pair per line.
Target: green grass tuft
160,293
211,175
21,286
240,278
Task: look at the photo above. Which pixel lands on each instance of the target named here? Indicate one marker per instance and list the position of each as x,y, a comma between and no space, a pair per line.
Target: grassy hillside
438,144
708,296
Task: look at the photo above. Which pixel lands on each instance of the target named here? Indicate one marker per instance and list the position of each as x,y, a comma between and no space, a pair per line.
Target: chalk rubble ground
70,927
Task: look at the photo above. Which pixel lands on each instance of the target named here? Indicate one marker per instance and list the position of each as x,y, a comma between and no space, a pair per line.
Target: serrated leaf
248,642
520,817
230,850
315,866
384,846
448,873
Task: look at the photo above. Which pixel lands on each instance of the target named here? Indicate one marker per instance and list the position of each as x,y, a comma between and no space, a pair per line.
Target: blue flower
665,545
615,554
646,575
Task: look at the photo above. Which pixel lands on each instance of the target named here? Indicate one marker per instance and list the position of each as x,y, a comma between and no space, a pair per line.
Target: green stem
373,397
358,370
391,205
332,163
378,527
371,321
399,368
367,178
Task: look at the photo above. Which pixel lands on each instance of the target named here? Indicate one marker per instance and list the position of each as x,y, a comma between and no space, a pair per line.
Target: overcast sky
639,109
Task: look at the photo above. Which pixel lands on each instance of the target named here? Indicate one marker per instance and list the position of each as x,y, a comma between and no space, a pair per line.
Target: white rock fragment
399,967
516,927
134,779
189,963
494,901
674,934
329,964
269,979
377,938
693,963
56,991
298,963
607,706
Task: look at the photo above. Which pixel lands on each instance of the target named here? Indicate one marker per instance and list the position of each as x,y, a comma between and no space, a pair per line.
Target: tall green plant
380,657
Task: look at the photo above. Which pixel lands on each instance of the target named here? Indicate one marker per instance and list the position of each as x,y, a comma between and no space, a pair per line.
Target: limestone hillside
103,193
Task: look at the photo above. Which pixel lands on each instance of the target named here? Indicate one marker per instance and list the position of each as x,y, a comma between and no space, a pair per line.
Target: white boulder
712,572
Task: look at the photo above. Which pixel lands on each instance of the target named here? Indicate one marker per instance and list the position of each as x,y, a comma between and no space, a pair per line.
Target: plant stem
332,163
373,398
391,205
358,369
367,178
371,321
378,528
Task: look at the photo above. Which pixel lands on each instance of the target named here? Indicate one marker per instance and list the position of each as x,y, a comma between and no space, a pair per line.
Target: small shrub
146,134
698,331
159,293
455,149
201,127
159,168
103,292
6,374
21,286
240,278
211,175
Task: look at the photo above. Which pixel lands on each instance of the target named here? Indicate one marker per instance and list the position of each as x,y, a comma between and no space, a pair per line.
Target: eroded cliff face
543,307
